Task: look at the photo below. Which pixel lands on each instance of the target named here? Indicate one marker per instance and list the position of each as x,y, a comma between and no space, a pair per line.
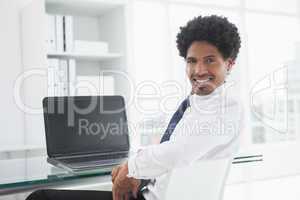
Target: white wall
11,118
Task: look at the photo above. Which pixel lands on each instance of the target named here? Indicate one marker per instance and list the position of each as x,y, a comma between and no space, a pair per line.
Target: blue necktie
171,126
174,120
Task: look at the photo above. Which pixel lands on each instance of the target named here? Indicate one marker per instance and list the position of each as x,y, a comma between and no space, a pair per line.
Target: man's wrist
132,169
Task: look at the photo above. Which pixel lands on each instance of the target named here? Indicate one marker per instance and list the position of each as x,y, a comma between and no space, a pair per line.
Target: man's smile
203,85
201,82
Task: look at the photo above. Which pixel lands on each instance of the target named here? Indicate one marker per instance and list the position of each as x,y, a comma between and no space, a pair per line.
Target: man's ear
230,63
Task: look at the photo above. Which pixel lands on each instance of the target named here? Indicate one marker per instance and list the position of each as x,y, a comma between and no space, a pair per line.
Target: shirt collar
206,102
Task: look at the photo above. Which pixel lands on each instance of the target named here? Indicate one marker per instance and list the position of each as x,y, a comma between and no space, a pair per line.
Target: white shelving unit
85,56
93,20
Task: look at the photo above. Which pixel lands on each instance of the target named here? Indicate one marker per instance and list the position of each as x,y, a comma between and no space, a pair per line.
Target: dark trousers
74,195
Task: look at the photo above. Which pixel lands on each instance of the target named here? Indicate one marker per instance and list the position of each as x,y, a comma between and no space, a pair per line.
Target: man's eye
209,60
190,61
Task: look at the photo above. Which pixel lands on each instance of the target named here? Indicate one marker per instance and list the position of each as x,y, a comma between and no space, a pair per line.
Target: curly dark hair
216,30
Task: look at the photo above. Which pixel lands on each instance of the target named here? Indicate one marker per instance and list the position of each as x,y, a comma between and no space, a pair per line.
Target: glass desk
27,173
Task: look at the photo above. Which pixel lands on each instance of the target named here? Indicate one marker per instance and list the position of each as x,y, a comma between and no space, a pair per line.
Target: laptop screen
85,124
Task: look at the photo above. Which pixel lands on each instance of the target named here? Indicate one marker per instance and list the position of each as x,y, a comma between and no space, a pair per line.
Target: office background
266,78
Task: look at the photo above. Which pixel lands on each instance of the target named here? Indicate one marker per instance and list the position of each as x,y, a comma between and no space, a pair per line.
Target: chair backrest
202,180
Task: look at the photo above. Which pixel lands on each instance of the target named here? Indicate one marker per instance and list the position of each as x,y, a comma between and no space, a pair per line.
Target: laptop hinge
90,155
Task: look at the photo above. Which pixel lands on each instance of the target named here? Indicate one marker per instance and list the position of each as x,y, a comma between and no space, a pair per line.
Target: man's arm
156,160
193,138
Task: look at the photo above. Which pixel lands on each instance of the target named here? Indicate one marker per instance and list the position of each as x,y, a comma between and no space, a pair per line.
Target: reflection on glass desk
30,172
27,172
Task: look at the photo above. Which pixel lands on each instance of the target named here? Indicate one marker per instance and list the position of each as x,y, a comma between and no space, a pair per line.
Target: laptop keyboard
94,161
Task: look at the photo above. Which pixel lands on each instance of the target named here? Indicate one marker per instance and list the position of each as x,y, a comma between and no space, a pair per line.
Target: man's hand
114,173
122,185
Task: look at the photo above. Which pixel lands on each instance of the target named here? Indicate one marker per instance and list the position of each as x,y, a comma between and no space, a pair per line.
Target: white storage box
93,47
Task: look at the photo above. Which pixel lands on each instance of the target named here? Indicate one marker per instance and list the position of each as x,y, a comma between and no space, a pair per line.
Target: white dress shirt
209,129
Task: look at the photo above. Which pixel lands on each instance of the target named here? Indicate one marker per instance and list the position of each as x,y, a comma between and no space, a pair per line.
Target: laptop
86,132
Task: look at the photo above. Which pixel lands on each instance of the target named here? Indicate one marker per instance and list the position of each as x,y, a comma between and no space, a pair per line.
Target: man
209,45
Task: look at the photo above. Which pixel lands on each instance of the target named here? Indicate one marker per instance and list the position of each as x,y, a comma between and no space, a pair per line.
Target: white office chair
203,180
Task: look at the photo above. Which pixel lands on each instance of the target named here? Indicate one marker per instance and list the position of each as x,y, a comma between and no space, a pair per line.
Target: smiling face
205,67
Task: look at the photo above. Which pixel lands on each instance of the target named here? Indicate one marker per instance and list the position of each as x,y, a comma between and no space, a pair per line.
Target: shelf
83,7
5,149
82,56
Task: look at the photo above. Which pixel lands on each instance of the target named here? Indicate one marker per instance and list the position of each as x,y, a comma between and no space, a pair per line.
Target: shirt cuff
132,168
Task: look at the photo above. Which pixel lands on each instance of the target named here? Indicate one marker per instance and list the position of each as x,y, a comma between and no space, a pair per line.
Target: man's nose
200,69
